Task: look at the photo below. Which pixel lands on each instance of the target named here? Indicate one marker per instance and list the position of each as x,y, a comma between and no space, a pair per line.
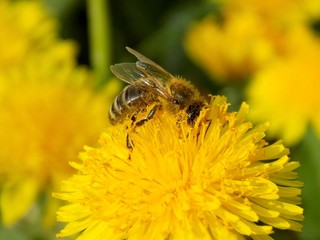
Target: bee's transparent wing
132,74
127,72
144,59
150,68
144,68
144,73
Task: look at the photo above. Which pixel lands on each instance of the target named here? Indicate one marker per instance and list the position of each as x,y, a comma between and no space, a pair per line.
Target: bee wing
132,74
144,73
149,67
127,72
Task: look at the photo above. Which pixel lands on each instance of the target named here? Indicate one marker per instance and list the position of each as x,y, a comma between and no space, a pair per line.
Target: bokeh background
56,86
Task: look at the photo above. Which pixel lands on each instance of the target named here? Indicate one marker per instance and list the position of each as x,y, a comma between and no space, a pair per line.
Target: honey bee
150,84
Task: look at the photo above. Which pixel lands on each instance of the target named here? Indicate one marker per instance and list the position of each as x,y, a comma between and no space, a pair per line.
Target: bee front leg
149,116
129,142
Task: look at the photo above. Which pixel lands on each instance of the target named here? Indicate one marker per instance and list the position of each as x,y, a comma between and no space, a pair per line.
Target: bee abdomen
122,103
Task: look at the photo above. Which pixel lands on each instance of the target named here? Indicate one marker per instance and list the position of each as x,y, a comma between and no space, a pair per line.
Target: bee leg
128,142
133,118
149,116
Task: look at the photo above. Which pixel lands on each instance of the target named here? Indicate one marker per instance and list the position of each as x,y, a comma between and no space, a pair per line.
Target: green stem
99,41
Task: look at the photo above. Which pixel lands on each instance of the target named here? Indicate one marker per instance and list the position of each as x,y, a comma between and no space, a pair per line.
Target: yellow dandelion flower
26,30
248,35
286,93
216,180
44,100
273,9
48,112
283,12
214,48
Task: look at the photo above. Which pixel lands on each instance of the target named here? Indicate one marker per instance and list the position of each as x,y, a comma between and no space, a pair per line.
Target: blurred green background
158,30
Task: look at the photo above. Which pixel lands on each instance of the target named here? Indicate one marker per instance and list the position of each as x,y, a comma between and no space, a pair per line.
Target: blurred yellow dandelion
286,93
48,106
249,35
232,50
26,30
216,180
48,112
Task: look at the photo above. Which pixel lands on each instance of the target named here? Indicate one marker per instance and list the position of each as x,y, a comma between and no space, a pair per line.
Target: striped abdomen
124,103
